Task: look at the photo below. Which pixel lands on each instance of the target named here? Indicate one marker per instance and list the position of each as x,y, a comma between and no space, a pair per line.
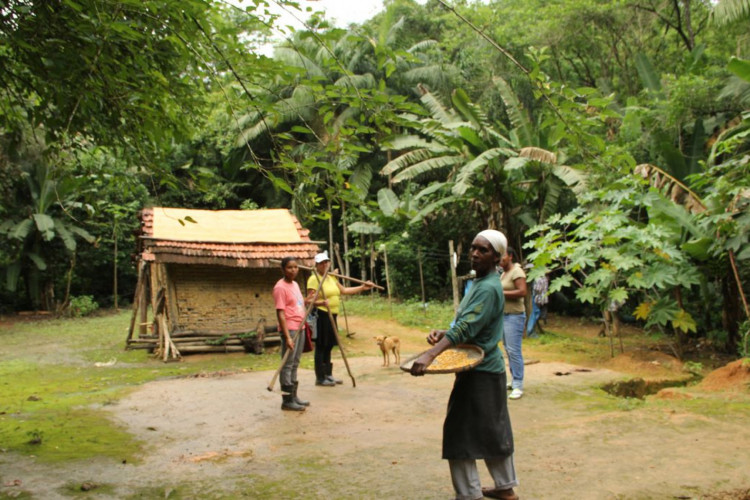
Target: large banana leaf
470,112
649,77
46,225
82,233
66,236
428,166
431,208
388,201
463,180
740,67
12,273
406,159
21,230
362,227
437,110
518,118
573,178
37,260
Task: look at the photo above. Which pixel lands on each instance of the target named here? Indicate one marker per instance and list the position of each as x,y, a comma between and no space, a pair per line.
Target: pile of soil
732,377
649,363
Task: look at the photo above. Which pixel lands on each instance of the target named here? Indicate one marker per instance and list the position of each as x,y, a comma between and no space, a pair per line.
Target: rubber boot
287,395
329,374
320,377
297,400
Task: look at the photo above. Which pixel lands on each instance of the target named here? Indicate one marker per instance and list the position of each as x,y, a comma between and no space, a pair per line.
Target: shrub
82,306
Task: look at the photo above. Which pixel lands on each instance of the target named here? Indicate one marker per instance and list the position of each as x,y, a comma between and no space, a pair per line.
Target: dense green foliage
418,127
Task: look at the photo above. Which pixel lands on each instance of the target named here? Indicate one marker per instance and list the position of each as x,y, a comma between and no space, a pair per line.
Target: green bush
82,306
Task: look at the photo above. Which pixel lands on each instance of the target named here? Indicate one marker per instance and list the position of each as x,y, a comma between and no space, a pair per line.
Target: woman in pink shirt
290,313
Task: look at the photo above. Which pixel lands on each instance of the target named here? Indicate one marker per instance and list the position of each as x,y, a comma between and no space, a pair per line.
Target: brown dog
388,345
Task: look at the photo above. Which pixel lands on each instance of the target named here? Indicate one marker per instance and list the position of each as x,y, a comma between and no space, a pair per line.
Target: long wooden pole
337,275
421,280
296,336
454,278
387,278
336,333
349,333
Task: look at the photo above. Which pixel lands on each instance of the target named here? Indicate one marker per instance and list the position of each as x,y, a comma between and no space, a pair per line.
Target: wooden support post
421,280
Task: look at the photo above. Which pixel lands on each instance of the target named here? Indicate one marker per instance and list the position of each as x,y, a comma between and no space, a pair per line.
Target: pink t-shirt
288,298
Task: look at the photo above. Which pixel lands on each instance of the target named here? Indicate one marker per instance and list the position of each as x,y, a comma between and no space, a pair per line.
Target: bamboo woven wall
217,298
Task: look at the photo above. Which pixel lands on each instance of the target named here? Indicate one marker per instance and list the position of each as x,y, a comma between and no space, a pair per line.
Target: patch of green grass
409,313
51,388
15,495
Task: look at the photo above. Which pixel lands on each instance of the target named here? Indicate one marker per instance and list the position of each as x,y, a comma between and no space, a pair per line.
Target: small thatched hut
207,277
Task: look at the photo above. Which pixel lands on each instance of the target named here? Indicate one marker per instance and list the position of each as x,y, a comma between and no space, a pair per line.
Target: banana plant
33,237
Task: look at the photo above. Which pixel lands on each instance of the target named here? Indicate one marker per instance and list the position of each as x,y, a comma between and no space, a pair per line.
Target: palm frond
431,74
728,11
297,107
392,34
294,57
366,81
428,166
422,46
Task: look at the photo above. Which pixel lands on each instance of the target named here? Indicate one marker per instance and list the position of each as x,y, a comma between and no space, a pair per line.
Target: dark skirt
326,337
477,424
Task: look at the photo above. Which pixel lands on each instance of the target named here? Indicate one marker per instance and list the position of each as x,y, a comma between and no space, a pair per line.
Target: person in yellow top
325,338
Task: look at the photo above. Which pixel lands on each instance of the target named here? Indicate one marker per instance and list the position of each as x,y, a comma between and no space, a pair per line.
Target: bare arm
318,302
520,290
351,290
439,344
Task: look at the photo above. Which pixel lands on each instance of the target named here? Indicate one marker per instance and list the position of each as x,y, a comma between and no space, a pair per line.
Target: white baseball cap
322,257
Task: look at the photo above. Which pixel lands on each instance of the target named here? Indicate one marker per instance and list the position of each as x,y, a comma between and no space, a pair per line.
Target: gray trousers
465,476
288,374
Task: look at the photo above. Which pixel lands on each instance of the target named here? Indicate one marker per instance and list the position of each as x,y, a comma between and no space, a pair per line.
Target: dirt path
225,437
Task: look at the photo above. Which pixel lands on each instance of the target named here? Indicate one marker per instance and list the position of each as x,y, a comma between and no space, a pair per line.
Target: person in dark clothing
477,424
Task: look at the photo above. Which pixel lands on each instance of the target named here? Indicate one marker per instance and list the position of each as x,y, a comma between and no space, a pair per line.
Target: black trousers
324,343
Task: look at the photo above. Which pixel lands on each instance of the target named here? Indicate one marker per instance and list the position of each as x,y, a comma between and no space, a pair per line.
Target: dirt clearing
225,436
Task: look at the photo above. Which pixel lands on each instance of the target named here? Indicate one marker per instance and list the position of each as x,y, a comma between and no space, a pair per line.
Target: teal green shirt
479,321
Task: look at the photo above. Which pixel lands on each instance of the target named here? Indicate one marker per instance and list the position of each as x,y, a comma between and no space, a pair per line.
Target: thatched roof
235,238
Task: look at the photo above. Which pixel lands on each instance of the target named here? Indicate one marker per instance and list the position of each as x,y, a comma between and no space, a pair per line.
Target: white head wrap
497,239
